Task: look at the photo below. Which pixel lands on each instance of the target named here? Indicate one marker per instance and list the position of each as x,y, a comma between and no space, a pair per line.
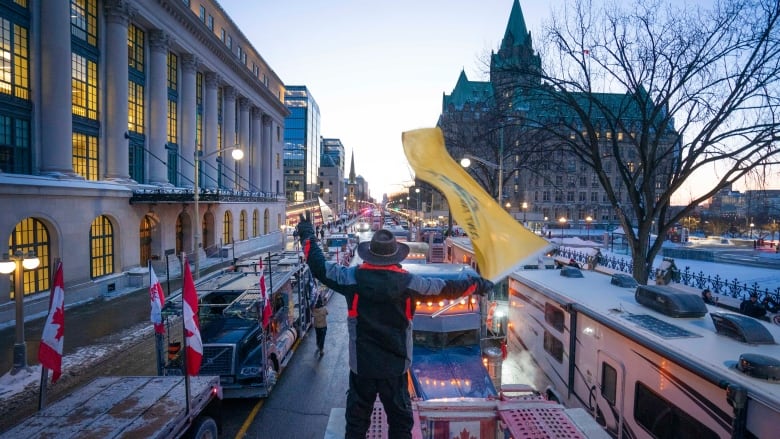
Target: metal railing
717,284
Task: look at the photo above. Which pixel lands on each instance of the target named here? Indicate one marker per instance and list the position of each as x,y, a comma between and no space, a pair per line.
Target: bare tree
697,89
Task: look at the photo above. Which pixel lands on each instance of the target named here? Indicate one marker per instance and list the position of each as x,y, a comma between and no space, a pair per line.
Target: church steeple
352,169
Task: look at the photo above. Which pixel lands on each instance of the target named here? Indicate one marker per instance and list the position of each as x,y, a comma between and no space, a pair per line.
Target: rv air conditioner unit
759,366
670,302
741,328
571,272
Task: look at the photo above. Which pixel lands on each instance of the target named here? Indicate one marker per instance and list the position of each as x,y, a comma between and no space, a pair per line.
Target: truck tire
205,427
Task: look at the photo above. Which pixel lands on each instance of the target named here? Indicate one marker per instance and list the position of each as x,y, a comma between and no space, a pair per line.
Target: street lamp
751,230
587,226
416,212
17,264
562,220
508,205
525,207
466,162
237,154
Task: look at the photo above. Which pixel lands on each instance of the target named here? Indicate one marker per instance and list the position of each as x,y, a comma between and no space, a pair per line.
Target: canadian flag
191,325
158,300
50,349
267,311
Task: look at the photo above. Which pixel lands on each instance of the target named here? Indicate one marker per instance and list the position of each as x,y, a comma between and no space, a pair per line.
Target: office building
104,105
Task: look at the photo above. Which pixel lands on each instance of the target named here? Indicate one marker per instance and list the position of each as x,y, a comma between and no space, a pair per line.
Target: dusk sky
377,69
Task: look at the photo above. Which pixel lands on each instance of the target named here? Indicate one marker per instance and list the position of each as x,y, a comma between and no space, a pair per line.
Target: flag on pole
500,242
50,349
158,300
267,311
191,325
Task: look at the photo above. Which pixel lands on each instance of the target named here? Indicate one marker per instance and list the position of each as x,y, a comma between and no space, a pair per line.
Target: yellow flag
500,243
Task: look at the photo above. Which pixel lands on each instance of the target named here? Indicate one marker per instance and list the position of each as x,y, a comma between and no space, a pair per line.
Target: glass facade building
301,145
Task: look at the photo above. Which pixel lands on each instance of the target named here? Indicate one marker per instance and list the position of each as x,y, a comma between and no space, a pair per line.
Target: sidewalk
96,318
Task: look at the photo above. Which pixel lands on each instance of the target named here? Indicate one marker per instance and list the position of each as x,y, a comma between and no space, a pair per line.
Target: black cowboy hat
383,249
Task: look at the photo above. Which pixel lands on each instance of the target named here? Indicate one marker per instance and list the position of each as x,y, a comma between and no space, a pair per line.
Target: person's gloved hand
305,228
483,286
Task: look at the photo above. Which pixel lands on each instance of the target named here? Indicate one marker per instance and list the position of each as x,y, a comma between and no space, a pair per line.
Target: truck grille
218,360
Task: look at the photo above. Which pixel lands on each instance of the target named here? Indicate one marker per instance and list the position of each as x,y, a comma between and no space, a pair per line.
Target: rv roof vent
741,328
671,302
570,272
759,366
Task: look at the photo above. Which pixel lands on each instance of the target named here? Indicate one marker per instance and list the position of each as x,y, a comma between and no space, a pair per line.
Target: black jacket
752,309
381,302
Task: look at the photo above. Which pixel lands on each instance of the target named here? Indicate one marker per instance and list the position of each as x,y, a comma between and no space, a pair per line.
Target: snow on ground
28,380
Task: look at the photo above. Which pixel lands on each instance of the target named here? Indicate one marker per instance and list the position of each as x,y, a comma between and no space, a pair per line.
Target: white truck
131,407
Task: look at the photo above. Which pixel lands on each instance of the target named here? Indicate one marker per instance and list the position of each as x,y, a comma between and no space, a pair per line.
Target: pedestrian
381,298
706,295
322,233
770,304
752,307
320,316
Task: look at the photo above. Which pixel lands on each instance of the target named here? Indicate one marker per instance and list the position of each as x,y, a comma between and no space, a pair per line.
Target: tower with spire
515,67
351,185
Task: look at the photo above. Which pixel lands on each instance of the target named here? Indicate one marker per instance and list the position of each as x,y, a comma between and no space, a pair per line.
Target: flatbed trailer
130,407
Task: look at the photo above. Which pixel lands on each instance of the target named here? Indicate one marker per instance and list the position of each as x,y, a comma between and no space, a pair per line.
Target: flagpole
158,338
184,343
42,392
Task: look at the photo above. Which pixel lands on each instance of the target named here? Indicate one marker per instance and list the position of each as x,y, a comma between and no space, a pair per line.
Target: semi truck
131,407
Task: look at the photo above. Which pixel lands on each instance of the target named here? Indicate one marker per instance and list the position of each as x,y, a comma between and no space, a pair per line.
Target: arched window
227,229
266,220
145,235
255,223
242,226
31,234
179,235
101,247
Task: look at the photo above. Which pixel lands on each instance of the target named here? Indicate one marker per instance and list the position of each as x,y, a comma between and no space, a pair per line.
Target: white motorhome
649,361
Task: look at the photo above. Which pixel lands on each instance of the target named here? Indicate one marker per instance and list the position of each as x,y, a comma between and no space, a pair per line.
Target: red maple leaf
59,319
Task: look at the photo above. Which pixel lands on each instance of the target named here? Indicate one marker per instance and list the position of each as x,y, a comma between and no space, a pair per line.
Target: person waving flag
193,341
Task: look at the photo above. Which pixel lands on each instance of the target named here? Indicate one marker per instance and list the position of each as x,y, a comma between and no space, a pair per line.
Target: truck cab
447,360
245,353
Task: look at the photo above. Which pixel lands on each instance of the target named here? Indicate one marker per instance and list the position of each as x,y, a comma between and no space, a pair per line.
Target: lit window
101,247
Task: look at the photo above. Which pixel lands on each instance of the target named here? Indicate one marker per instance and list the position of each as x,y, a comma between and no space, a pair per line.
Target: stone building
104,107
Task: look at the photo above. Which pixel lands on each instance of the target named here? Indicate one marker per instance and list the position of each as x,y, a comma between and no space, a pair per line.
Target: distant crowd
750,307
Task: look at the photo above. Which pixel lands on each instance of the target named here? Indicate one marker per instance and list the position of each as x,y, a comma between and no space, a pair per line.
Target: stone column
255,162
243,140
116,155
188,115
56,144
229,135
267,155
209,164
158,107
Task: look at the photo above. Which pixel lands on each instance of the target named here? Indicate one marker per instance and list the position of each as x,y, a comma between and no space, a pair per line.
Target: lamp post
751,230
587,225
17,264
466,162
237,154
416,212
562,220
525,208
